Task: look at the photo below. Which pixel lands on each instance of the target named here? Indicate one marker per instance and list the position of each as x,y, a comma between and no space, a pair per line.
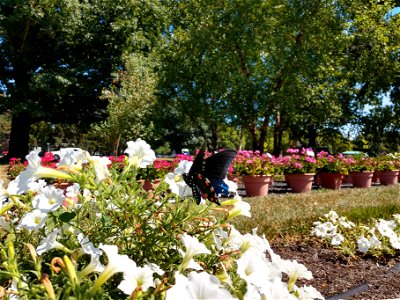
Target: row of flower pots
300,183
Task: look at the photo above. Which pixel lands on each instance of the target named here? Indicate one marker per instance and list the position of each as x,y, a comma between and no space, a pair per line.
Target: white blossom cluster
339,231
241,256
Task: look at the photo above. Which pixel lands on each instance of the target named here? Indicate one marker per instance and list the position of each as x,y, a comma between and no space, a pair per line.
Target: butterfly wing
214,167
190,181
217,165
198,163
206,188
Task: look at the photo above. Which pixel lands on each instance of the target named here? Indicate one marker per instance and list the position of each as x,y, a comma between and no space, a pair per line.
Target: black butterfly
213,168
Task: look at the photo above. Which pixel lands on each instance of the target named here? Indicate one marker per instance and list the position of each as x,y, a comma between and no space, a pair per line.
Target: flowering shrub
297,162
386,162
15,165
104,237
157,170
331,163
249,162
378,239
360,164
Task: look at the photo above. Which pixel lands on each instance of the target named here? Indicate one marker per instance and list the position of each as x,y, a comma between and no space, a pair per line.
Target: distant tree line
263,75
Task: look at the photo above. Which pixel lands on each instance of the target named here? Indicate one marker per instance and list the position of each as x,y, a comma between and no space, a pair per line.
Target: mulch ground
338,276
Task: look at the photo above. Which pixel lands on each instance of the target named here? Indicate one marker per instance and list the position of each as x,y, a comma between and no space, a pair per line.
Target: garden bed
338,276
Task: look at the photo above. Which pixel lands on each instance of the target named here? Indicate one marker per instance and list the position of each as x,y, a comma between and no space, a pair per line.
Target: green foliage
298,66
131,101
291,214
84,43
116,211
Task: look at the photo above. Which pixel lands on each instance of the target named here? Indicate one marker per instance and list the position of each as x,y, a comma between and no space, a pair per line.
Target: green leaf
67,216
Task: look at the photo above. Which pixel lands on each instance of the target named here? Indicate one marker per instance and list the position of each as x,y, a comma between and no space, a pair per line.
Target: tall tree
131,101
249,62
56,56
302,66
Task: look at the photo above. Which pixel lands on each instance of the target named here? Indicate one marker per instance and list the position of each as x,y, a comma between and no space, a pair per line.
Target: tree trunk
214,137
278,133
312,136
253,133
19,135
263,134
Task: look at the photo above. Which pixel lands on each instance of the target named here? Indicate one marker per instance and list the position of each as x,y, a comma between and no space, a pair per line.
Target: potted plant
151,175
361,169
299,167
331,170
256,170
387,169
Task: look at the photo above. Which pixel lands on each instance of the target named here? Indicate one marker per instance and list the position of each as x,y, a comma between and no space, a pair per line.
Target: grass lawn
279,215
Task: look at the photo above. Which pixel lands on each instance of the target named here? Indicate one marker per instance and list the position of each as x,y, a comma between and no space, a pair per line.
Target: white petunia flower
197,286
256,270
385,228
332,216
33,220
395,241
295,270
240,208
337,239
175,180
346,224
277,290
232,186
324,230
309,293
48,199
193,247
183,167
363,244
72,157
117,263
375,242
36,186
101,167
95,253
140,153
20,184
137,277
50,242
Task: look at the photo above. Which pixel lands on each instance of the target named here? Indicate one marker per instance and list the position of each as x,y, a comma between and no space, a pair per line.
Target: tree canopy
272,73
57,56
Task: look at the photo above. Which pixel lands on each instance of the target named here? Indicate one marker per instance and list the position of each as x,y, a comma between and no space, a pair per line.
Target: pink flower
292,150
297,165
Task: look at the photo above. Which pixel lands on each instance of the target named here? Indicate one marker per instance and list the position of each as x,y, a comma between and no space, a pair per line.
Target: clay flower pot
331,181
300,183
257,185
388,177
362,179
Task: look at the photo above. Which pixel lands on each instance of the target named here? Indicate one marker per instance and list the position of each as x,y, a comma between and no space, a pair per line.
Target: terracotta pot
150,185
331,181
300,183
347,179
375,178
256,185
362,179
388,177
